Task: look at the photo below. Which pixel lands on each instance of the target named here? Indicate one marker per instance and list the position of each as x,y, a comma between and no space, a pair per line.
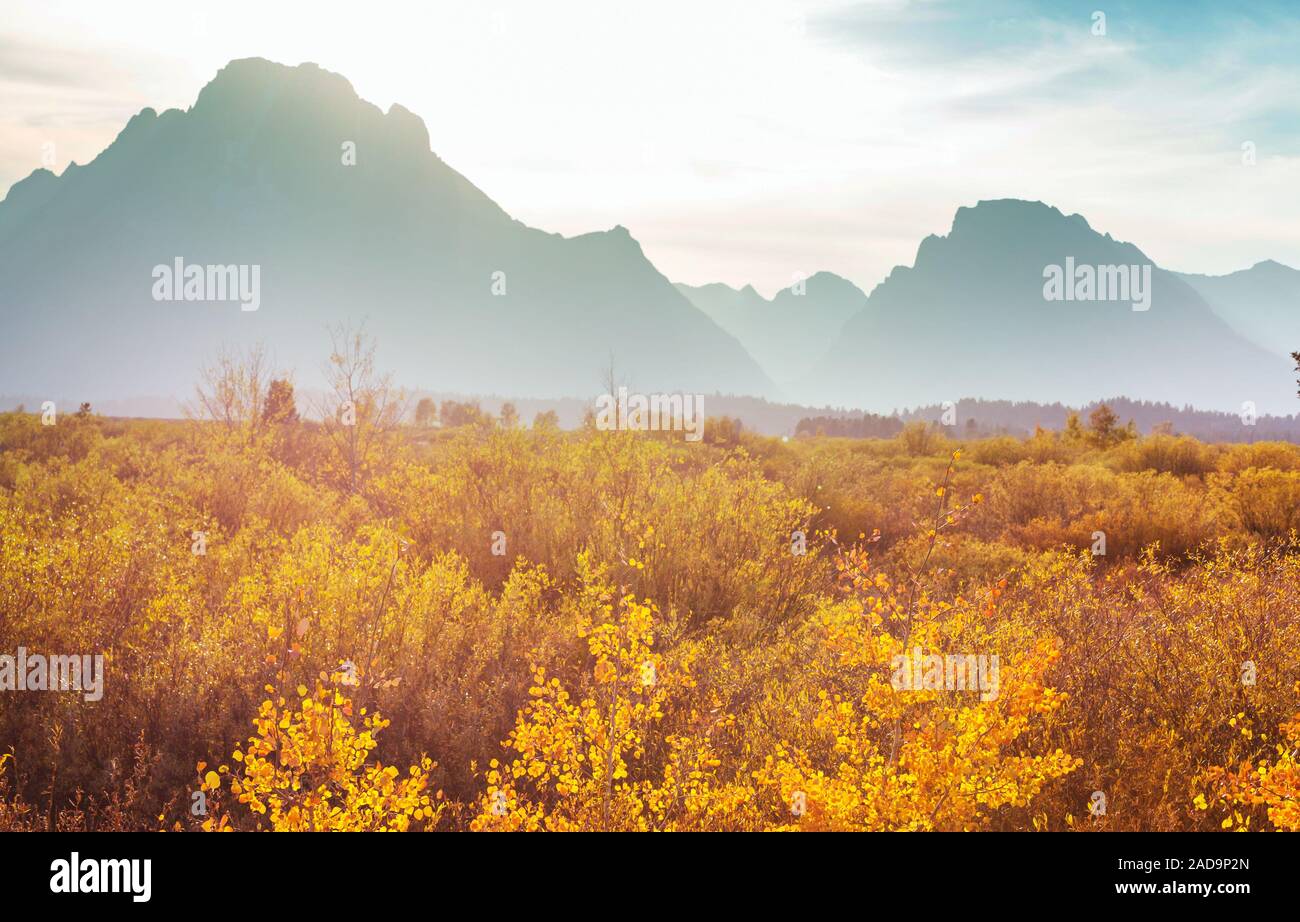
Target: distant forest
981,418
973,418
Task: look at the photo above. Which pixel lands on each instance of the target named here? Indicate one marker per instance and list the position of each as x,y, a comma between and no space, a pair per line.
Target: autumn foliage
587,630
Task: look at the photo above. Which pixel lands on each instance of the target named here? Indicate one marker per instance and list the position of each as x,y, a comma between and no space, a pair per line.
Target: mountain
347,216
729,307
1262,303
789,334
971,317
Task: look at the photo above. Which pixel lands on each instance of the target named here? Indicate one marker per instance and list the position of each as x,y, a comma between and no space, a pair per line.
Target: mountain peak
30,192
982,286
1010,215
1272,266
617,239
830,280
409,126
38,178
256,81
1011,229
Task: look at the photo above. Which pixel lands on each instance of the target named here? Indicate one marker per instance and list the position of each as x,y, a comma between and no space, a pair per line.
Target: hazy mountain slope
791,332
729,307
970,318
253,173
1262,303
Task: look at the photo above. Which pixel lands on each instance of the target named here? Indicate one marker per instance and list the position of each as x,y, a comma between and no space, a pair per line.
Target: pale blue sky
748,140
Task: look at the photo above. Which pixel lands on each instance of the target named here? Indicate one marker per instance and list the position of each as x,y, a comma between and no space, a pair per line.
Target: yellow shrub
305,769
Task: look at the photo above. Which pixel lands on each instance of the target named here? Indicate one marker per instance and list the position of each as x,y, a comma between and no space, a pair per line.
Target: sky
749,141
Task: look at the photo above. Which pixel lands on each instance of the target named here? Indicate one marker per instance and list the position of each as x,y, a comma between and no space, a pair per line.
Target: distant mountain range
1262,303
790,334
347,215
972,317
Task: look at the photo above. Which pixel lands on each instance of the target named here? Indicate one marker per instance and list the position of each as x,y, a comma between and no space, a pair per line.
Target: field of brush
501,626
